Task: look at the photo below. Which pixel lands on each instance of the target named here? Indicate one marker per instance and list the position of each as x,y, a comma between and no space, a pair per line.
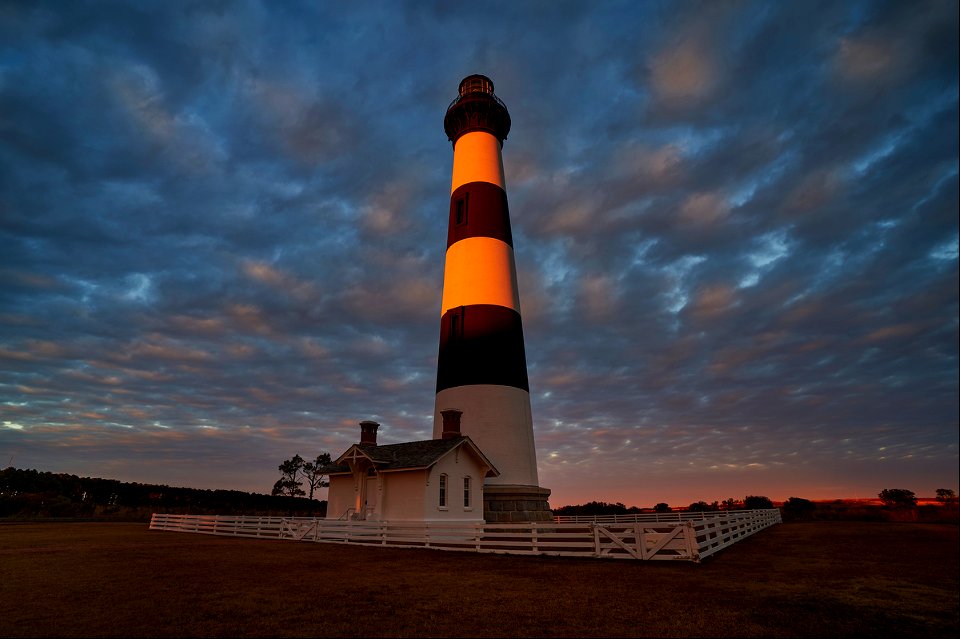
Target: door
370,498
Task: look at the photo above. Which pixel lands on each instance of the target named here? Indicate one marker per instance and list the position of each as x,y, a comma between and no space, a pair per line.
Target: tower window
466,492
456,325
460,210
443,492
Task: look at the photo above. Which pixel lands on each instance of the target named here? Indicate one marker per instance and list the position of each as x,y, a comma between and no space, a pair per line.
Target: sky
223,224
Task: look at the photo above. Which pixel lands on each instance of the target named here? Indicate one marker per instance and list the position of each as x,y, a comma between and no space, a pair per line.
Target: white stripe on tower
482,367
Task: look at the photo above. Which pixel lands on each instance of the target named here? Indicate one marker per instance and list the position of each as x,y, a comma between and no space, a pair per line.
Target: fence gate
644,542
297,530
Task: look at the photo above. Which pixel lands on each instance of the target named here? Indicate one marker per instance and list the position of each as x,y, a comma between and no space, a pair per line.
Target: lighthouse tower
482,368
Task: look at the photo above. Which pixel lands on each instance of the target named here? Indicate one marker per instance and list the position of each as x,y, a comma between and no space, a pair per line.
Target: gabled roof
407,455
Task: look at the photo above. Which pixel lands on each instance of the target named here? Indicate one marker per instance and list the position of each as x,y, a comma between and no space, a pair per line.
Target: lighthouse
482,368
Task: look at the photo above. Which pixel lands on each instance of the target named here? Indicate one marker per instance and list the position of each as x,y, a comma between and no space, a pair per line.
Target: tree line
27,494
750,502
896,504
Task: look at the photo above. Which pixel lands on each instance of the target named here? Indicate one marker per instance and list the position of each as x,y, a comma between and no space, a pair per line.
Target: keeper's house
432,480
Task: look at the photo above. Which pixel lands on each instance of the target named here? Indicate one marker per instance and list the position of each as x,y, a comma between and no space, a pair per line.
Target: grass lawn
818,579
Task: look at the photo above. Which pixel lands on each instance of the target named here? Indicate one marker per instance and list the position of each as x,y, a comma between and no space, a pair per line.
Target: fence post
693,549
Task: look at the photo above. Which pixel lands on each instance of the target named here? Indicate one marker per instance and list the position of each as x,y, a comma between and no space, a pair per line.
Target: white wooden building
434,480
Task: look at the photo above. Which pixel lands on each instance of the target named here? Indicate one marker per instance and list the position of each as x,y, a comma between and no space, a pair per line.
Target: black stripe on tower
479,209
481,344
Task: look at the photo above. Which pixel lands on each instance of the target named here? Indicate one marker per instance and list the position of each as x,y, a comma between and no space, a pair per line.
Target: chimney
368,432
451,423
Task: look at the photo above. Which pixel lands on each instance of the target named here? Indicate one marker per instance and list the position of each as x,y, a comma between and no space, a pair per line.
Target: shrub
799,508
756,502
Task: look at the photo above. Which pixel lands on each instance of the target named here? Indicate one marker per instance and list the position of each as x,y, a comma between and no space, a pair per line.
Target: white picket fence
685,515
685,540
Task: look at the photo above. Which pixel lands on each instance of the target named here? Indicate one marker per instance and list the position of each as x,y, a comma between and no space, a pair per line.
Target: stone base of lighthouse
509,503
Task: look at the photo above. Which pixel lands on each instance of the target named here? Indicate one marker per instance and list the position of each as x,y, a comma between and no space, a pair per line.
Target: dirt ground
819,579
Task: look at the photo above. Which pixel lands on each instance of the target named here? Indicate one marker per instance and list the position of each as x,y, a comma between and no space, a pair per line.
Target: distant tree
798,504
946,496
799,508
315,471
289,483
662,508
898,498
756,502
730,504
699,506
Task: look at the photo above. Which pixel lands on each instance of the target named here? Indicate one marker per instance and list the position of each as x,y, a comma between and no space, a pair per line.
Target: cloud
865,59
279,280
598,296
703,208
684,72
735,230
713,300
